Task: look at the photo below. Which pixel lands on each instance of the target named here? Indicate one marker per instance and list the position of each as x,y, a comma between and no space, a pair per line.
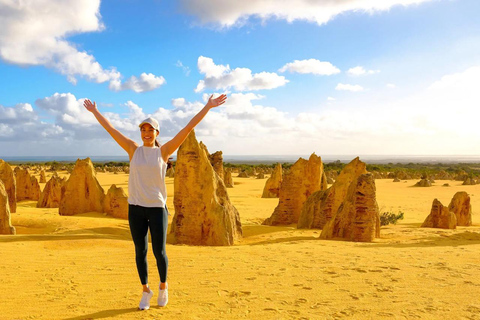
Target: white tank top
146,183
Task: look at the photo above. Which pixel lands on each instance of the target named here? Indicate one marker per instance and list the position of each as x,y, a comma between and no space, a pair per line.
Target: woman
147,191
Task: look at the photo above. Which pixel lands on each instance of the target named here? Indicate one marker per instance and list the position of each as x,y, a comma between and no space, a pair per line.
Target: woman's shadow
104,314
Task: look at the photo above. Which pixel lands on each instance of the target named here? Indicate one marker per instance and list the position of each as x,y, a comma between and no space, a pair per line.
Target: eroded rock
27,185
52,193
83,193
461,207
5,222
358,218
272,186
440,217
321,208
303,179
204,214
8,178
115,203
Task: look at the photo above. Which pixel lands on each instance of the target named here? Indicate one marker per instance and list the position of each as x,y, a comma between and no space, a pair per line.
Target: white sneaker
163,297
145,302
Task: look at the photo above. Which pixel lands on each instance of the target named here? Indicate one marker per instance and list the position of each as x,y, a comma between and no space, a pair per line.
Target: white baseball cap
152,122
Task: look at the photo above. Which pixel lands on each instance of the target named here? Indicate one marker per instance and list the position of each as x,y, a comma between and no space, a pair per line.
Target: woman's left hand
212,103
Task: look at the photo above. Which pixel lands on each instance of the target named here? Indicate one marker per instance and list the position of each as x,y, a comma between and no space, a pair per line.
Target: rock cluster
83,192
204,214
440,217
358,218
272,186
27,185
115,203
52,193
303,179
469,182
322,205
8,178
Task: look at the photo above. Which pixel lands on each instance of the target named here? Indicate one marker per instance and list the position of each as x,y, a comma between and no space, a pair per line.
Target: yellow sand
83,267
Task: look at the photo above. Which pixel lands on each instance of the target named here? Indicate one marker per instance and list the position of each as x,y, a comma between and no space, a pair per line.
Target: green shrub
389,217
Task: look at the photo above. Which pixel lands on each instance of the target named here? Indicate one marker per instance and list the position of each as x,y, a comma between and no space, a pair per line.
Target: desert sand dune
83,267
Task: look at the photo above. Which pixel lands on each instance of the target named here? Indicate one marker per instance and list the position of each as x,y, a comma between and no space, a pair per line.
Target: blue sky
362,77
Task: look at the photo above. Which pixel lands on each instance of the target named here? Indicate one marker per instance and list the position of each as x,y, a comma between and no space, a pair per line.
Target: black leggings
140,220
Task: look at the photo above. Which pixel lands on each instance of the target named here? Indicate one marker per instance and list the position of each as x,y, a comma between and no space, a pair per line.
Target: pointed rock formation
170,172
396,180
272,186
423,183
5,222
27,185
216,159
43,179
52,193
461,207
203,212
116,203
303,180
469,182
83,192
323,205
358,218
227,178
440,217
324,183
8,178
243,174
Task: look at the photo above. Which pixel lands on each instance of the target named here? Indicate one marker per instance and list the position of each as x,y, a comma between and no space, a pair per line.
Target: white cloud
360,71
178,102
186,69
311,66
20,112
445,112
34,33
331,99
240,79
349,87
146,82
391,86
5,130
226,13
21,124
66,109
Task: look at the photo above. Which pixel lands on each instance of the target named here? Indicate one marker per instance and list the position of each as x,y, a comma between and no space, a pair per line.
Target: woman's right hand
89,105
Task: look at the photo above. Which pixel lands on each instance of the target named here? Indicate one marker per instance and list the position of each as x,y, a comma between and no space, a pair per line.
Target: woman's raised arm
127,144
172,145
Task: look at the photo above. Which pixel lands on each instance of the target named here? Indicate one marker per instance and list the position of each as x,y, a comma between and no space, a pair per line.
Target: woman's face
149,134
